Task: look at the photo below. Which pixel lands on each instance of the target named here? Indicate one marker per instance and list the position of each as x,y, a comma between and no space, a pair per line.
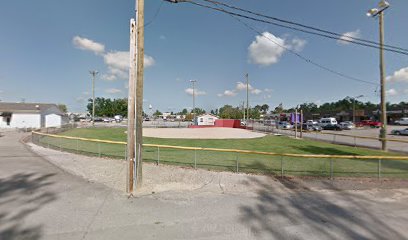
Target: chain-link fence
238,160
394,144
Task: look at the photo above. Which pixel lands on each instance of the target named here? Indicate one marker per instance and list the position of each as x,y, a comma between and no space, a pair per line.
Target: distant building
206,120
30,115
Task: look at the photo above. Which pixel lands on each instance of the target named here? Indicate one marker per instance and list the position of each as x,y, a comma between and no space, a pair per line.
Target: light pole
194,110
93,73
382,6
354,107
247,96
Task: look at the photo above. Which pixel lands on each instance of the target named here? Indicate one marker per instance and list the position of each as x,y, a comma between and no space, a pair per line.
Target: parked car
284,125
327,121
107,120
402,121
269,122
334,127
311,122
400,132
312,127
346,125
118,118
369,123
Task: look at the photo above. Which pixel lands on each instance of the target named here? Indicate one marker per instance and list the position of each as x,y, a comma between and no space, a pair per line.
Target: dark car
333,127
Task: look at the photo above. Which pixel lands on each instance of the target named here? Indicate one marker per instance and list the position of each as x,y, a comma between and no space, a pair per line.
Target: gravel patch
162,178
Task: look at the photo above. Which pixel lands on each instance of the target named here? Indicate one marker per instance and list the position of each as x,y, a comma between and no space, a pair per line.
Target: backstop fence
235,160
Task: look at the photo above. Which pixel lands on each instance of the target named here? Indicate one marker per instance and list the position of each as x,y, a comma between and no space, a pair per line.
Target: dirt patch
201,133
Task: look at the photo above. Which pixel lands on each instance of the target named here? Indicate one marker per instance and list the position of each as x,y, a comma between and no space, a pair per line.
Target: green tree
63,108
157,113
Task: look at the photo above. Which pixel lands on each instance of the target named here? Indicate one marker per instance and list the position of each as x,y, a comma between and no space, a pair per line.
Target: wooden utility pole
139,92
383,131
131,109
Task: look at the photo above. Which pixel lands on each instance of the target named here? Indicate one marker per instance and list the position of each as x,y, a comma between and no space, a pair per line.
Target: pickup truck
369,123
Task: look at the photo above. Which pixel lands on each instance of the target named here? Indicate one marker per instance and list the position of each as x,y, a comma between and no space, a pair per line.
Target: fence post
99,150
379,169
331,169
195,158
158,155
77,146
281,166
236,157
355,143
60,145
334,138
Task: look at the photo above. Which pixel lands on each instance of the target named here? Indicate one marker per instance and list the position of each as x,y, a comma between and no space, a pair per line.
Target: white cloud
399,76
118,64
348,37
391,92
242,86
268,90
267,49
228,93
117,61
162,37
256,91
197,92
297,44
113,90
89,45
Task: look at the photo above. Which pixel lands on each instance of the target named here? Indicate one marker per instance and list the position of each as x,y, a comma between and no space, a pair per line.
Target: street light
382,6
354,107
93,73
194,110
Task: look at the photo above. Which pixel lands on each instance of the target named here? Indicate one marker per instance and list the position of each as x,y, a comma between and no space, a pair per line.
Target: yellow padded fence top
232,150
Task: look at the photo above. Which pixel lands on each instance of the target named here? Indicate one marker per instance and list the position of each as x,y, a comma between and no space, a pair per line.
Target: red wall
231,123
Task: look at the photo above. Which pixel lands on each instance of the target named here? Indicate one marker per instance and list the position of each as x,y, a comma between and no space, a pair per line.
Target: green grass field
245,162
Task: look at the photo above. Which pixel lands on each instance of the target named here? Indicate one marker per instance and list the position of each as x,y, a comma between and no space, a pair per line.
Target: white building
30,115
206,120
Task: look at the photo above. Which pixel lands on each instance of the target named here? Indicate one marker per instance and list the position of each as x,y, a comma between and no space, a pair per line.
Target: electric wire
338,35
294,28
307,60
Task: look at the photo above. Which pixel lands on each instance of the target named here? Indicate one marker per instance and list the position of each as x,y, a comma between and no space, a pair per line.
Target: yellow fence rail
367,157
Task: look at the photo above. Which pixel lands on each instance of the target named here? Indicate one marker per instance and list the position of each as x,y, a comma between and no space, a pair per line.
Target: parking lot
352,137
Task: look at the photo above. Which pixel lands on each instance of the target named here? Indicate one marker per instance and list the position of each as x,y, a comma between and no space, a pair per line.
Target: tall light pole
93,73
354,107
382,6
247,98
194,109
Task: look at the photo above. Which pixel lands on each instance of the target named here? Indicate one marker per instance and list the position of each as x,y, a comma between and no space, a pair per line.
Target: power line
294,28
303,25
155,15
292,51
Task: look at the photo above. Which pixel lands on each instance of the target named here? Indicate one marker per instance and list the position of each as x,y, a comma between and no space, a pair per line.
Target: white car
311,122
402,121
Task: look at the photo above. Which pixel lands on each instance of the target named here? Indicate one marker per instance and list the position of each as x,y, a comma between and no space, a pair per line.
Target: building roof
27,107
207,114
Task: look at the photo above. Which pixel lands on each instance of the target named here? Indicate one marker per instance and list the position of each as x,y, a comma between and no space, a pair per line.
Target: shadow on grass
298,212
21,195
323,150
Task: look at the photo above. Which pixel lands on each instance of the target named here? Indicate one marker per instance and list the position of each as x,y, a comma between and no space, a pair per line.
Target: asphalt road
41,201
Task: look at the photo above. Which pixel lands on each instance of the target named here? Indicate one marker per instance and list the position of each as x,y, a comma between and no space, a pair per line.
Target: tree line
110,107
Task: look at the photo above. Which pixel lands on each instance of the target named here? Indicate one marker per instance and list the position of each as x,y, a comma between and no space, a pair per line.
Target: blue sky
48,47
